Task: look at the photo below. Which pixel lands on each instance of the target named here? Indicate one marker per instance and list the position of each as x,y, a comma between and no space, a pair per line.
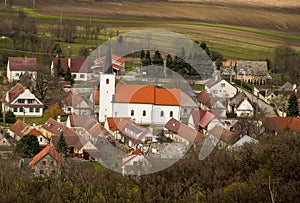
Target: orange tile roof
35,132
279,124
47,150
13,93
202,117
147,94
20,128
96,97
117,124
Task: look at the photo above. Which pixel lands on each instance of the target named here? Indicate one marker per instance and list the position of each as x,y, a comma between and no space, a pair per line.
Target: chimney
69,62
58,119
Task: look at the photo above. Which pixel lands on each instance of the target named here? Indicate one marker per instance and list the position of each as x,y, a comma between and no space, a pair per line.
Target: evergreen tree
58,68
205,48
28,145
1,114
147,61
69,77
169,61
10,117
61,144
142,55
293,109
157,59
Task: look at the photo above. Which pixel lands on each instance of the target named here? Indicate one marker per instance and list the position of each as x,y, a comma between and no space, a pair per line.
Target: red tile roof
202,117
72,99
225,135
96,97
22,64
147,94
20,128
48,150
117,124
206,99
78,65
280,124
14,93
35,132
184,131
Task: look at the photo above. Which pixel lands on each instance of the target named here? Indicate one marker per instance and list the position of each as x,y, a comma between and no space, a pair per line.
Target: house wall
42,140
29,110
15,75
244,109
47,166
80,77
222,89
158,119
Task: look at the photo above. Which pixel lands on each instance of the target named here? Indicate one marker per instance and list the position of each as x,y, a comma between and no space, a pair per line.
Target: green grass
198,87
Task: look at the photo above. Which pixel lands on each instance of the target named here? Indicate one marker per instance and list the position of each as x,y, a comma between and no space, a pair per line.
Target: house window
21,101
144,113
107,81
37,110
222,84
41,139
69,108
44,162
74,76
82,76
162,114
21,109
30,101
132,113
171,113
15,109
31,110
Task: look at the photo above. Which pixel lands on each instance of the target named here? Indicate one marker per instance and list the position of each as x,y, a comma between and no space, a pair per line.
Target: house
221,136
47,162
73,103
252,71
17,66
94,101
53,129
219,87
180,132
264,94
114,125
203,120
6,144
281,124
245,139
18,130
135,163
207,102
287,89
22,102
135,136
240,105
78,67
43,141
118,64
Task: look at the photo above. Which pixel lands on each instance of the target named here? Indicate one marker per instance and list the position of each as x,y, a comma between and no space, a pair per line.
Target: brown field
275,16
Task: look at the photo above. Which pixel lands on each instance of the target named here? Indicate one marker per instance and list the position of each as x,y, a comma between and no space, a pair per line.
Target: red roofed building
78,67
18,130
180,132
74,104
43,141
118,64
281,124
17,66
22,102
203,119
47,162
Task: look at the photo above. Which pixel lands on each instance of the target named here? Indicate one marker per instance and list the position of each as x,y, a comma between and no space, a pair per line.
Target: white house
22,102
17,66
78,67
219,87
74,104
18,130
135,163
43,141
203,120
241,105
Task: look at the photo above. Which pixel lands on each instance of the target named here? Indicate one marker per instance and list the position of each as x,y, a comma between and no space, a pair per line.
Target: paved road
265,108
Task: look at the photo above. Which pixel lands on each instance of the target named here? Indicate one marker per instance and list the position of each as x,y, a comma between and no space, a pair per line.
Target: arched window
132,113
162,114
144,113
171,113
107,81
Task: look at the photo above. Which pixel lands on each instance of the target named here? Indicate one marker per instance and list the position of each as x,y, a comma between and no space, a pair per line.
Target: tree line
264,172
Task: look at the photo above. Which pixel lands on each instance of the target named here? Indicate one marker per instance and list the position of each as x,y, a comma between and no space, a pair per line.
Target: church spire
108,60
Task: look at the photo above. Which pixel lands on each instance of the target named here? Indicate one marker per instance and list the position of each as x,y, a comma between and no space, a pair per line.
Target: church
144,104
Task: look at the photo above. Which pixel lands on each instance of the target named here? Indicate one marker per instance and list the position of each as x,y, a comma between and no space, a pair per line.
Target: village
144,122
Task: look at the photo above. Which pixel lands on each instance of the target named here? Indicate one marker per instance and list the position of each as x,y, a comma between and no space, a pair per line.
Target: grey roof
286,87
243,140
253,68
214,80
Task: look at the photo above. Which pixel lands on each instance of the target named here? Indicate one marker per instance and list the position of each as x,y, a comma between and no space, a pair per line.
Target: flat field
236,28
